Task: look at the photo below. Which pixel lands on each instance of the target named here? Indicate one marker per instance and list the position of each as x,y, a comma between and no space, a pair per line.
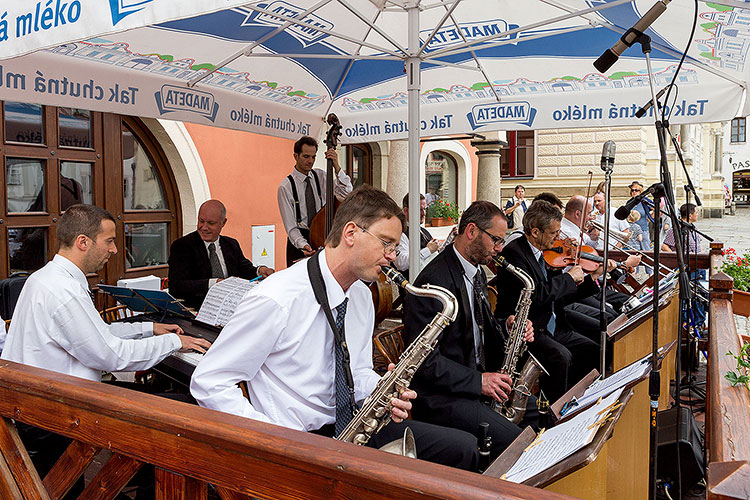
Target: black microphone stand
663,191
607,167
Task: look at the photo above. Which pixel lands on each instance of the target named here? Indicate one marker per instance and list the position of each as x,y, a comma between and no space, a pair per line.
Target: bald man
199,260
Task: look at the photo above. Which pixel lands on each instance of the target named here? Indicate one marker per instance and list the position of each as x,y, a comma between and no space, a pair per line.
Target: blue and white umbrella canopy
278,67
389,69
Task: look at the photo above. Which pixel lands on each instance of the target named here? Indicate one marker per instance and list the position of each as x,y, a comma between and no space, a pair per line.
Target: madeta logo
307,32
172,98
519,112
449,34
123,8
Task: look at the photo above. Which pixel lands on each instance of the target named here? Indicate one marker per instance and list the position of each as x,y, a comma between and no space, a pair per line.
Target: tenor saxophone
376,409
514,407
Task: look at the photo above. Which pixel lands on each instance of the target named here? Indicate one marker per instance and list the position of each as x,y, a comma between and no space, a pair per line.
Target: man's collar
469,269
299,175
71,268
336,294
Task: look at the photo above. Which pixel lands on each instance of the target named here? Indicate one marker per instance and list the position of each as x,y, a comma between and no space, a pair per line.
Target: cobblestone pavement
732,230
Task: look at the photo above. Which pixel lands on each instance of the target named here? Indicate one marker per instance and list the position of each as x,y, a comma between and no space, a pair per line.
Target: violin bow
583,219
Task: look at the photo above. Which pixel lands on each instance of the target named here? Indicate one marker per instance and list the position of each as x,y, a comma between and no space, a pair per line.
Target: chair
390,343
113,314
492,297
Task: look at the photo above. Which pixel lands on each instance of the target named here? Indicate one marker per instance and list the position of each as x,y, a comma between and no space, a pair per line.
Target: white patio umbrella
388,68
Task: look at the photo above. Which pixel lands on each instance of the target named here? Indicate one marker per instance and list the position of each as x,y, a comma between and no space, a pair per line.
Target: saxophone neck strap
319,289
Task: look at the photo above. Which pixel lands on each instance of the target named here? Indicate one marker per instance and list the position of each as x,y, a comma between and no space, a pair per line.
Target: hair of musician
364,206
305,141
540,215
574,203
80,219
686,210
549,197
481,213
405,203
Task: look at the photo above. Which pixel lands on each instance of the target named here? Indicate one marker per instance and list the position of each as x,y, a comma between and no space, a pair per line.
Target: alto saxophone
376,410
514,407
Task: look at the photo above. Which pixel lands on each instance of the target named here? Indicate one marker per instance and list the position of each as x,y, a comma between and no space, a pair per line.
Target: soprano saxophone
376,410
515,406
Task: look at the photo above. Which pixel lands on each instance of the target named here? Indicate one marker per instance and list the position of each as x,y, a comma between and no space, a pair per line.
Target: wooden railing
728,408
191,446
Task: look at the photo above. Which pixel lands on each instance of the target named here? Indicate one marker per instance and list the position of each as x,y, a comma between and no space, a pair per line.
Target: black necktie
213,258
309,201
344,411
478,315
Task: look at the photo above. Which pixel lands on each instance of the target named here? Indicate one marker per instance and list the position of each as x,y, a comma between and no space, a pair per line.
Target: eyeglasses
636,190
388,247
496,240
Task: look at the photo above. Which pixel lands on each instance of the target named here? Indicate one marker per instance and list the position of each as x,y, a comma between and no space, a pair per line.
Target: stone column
488,170
398,170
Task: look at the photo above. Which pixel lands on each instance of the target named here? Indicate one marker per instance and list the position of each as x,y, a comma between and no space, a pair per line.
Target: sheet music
561,441
222,299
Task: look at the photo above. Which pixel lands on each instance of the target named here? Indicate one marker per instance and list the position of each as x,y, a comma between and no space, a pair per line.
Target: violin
563,254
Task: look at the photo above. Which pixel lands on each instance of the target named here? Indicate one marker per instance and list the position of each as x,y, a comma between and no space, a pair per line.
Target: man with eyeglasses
566,354
461,374
299,373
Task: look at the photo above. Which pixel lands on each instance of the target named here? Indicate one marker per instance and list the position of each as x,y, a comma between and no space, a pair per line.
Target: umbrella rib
247,50
454,65
690,60
372,26
287,22
351,63
479,64
448,13
520,29
353,57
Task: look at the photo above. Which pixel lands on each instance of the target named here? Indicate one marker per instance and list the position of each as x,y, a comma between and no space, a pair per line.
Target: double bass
382,294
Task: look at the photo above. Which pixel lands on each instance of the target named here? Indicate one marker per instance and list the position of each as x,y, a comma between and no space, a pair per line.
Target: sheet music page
561,441
222,299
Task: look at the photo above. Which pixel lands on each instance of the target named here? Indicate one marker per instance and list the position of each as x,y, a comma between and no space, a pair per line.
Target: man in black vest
302,194
427,244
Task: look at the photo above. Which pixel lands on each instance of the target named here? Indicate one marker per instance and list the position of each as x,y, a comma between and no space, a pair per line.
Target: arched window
56,157
441,179
359,164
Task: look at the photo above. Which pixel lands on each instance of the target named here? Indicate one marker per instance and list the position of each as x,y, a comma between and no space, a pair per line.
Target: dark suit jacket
450,371
559,290
190,270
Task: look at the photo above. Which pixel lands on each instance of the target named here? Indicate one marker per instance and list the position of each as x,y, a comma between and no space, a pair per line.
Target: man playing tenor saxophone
281,343
461,374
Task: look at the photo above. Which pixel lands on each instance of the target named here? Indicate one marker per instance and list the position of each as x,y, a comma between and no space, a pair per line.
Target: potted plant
443,212
738,268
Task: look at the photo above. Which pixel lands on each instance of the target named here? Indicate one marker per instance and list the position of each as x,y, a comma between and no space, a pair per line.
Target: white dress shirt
402,253
278,340
342,186
470,271
56,327
569,229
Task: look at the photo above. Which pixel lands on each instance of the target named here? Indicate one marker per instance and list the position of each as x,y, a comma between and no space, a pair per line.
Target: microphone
610,56
608,155
642,110
623,212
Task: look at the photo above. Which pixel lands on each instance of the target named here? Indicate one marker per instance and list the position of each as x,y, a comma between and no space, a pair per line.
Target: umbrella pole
413,87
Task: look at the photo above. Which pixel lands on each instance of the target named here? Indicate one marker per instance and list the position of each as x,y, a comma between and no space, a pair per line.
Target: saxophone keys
369,425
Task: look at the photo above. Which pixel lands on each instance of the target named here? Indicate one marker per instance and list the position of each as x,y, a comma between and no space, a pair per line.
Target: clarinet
514,407
376,410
